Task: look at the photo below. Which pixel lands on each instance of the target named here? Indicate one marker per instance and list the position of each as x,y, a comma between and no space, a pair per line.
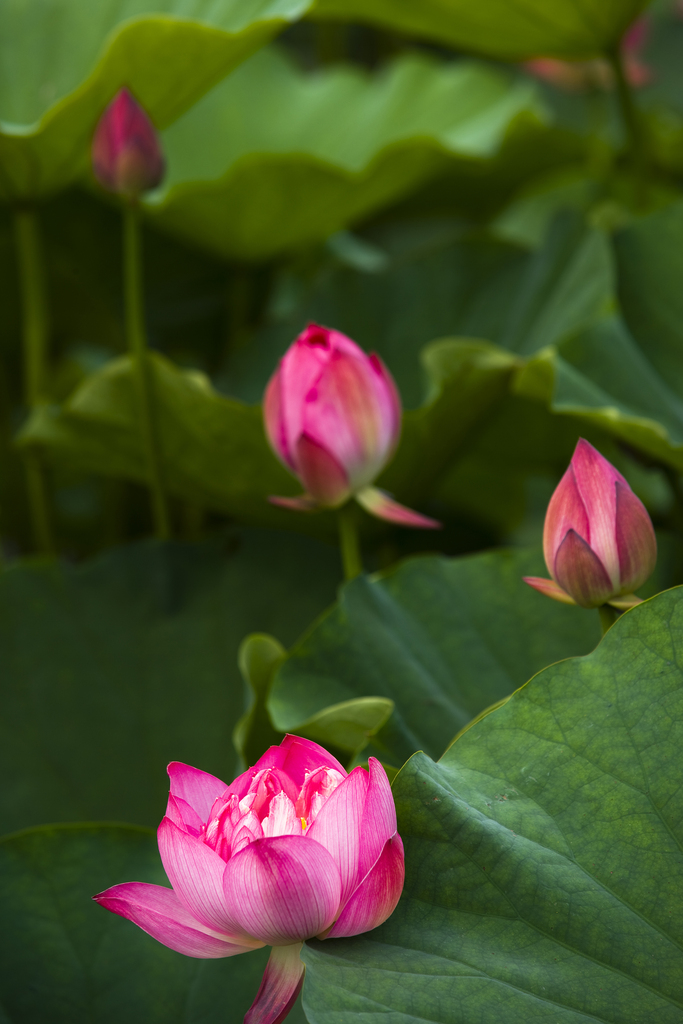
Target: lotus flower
126,155
293,848
578,76
333,418
598,540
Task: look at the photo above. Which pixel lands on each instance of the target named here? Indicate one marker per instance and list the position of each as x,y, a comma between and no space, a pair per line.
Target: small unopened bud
126,155
598,540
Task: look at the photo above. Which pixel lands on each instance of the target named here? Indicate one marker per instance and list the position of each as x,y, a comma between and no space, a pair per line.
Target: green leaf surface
442,638
345,728
258,658
601,377
274,157
214,450
649,259
59,69
505,29
544,855
68,961
442,281
114,668
623,373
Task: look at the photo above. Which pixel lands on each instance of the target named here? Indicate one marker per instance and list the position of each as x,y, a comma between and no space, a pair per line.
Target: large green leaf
466,443
439,281
624,373
115,668
544,855
442,638
67,961
506,29
345,728
274,157
602,377
214,449
649,259
60,66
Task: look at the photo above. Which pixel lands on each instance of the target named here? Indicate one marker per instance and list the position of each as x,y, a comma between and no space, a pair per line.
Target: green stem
137,346
608,616
35,337
348,542
633,125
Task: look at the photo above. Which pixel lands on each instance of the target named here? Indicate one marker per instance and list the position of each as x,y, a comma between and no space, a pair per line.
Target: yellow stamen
303,824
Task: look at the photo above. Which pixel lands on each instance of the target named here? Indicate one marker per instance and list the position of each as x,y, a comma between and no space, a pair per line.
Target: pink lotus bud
598,541
126,155
333,417
637,71
293,848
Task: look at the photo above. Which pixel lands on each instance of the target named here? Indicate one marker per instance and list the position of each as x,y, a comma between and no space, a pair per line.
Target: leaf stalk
35,332
136,338
348,542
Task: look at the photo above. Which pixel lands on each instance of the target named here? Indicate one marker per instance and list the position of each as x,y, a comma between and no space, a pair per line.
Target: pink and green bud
126,155
333,417
293,848
598,540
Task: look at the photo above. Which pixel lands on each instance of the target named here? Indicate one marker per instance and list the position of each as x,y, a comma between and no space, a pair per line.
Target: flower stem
137,347
608,616
348,542
634,125
35,336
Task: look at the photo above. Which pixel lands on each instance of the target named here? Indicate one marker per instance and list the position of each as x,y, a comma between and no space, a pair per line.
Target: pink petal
335,341
581,573
355,823
283,890
273,419
595,479
376,897
297,757
282,981
348,413
550,588
321,474
196,873
248,830
197,788
282,819
302,503
636,541
319,785
636,35
390,402
338,826
126,155
184,816
159,912
379,816
379,504
565,512
300,368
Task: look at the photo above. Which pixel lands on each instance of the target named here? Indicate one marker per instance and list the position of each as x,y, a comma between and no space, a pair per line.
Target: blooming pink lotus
126,155
333,417
293,848
598,540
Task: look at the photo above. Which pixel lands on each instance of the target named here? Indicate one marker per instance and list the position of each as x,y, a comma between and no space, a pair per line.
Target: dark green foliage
112,670
68,961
